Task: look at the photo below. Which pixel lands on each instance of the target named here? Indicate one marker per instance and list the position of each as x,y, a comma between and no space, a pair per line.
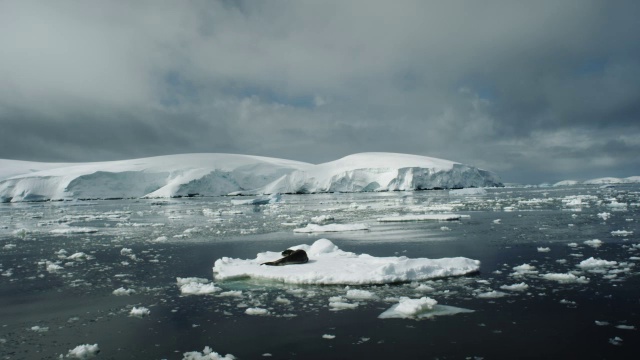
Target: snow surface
330,265
221,174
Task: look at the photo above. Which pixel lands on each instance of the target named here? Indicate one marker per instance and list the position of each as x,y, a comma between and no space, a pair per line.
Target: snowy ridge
601,181
222,174
382,172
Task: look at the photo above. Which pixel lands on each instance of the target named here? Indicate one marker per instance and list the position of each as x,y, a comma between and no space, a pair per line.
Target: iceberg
231,174
328,265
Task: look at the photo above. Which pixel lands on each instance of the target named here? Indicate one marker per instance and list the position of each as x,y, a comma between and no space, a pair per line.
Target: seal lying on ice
290,257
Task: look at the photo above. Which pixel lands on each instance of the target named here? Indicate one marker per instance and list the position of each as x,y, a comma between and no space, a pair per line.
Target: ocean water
144,245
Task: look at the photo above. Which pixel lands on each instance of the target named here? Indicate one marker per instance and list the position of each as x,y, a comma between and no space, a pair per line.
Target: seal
290,257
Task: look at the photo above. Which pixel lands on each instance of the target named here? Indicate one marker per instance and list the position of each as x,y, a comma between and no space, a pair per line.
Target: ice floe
422,308
196,286
565,278
330,265
206,354
424,217
311,228
139,311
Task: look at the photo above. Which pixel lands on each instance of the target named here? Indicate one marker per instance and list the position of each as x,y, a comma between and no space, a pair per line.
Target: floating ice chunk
524,269
544,249
602,323
468,192
425,217
184,281
572,244
256,311
139,311
206,354
83,351
311,228
595,243
425,288
615,341
626,327
79,256
360,295
565,278
515,287
422,308
73,230
39,328
322,219
197,287
51,267
123,292
328,336
9,246
236,293
592,263
330,265
567,302
257,201
160,239
622,233
497,221
604,215
491,295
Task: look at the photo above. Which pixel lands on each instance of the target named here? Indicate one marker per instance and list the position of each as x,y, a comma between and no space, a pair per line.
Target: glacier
216,174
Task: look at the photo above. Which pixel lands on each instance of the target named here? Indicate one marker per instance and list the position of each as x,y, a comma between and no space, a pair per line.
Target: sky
536,91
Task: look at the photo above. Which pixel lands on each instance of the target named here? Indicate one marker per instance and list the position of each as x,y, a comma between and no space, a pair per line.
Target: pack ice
328,265
222,174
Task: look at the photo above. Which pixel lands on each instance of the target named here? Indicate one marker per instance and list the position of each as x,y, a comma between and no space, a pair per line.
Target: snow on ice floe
311,228
595,243
85,351
423,217
330,265
123,292
592,263
206,354
422,308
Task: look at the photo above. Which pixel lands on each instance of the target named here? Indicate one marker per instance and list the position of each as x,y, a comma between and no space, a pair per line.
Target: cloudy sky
533,90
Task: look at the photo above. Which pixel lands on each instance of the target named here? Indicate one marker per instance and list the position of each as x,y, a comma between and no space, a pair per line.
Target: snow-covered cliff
382,172
221,174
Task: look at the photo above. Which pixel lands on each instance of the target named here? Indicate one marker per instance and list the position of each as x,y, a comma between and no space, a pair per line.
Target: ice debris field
180,278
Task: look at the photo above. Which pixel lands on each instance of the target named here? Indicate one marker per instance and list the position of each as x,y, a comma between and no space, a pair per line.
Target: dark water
548,320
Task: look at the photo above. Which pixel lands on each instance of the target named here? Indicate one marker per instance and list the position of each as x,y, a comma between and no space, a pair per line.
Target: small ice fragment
328,336
256,311
139,312
615,341
515,287
206,354
491,295
544,249
123,292
360,295
602,323
83,351
595,243
626,327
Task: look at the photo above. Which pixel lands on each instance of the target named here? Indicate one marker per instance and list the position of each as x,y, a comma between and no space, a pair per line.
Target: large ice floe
222,174
328,265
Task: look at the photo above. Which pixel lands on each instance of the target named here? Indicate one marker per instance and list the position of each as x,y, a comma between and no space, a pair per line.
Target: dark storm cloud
535,91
